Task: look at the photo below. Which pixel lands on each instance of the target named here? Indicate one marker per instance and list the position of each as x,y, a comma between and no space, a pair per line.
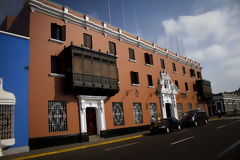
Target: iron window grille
180,110
118,114
137,111
189,106
153,109
6,122
57,116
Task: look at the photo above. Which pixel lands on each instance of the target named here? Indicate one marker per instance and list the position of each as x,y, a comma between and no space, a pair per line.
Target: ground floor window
203,107
180,110
153,109
137,112
6,122
189,106
57,116
118,115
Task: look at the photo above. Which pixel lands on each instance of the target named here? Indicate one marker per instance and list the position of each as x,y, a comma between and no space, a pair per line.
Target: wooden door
91,121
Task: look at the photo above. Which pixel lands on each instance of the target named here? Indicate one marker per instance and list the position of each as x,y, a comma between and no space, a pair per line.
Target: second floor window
150,82
194,88
58,32
186,86
112,48
131,54
148,58
162,63
199,75
174,67
55,65
176,83
87,40
192,72
184,70
134,77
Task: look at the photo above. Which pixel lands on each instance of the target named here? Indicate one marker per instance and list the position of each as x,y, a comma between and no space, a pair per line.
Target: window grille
137,111
6,122
57,116
153,109
118,116
180,110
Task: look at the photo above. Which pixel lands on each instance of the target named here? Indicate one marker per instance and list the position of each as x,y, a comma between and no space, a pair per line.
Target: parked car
194,118
165,125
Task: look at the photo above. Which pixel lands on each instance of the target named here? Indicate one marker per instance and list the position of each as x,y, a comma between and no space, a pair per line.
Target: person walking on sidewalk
219,113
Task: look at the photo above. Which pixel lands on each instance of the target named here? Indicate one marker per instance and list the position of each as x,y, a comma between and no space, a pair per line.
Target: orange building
89,78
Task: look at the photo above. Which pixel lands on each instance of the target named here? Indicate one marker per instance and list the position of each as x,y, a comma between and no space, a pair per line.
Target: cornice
103,29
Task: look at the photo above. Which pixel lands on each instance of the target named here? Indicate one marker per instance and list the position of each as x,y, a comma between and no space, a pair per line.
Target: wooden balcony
89,72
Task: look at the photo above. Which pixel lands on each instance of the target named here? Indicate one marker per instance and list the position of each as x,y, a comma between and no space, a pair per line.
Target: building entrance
168,110
91,121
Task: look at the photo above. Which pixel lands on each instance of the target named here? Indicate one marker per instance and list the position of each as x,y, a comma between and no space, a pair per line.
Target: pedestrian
153,121
219,113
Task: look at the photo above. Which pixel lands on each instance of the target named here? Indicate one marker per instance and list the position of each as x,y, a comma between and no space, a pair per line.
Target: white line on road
182,140
220,155
227,124
121,146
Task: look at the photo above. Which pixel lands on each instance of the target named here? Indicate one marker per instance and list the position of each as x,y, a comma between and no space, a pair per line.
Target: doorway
91,121
168,110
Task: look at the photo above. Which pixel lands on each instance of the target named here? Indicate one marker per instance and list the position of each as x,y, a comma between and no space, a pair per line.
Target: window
150,82
180,110
192,72
57,116
148,59
194,88
186,86
174,67
137,112
153,109
58,32
55,64
184,70
118,116
112,48
197,105
176,83
87,40
131,54
189,106
203,107
199,75
134,77
6,122
162,63
165,84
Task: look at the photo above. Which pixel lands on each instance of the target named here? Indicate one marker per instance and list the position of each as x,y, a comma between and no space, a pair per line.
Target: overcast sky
207,31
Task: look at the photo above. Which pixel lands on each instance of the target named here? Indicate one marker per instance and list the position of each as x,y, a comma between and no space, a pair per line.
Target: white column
102,116
82,110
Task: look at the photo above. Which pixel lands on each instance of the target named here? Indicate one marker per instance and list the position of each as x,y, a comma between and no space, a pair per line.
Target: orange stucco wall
43,88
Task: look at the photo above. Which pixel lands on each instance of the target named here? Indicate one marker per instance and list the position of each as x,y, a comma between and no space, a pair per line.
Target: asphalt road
216,140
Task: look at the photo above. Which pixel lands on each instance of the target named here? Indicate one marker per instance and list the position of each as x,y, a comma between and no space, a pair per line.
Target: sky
207,31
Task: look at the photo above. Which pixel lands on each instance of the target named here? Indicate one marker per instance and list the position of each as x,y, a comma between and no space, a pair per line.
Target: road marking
227,124
121,146
182,140
220,155
76,148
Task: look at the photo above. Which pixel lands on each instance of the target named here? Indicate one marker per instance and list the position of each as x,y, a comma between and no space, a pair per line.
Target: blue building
14,61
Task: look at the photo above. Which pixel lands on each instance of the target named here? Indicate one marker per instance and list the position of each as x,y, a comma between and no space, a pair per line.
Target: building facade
89,78
227,103
14,53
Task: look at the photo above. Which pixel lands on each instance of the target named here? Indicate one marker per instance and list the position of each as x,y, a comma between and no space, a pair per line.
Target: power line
123,16
109,12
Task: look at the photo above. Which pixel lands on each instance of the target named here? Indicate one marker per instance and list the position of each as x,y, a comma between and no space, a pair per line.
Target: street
216,140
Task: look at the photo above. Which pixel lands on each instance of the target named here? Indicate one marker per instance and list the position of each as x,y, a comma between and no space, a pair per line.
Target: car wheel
167,130
195,124
179,127
205,122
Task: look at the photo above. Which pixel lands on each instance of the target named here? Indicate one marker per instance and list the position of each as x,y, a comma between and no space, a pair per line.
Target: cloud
212,38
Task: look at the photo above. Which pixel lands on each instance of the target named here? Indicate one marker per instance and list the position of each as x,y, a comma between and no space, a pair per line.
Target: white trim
149,65
132,60
15,35
103,29
151,86
56,75
137,85
56,41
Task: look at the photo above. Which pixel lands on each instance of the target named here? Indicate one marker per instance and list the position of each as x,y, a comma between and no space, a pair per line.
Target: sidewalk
215,118
76,146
